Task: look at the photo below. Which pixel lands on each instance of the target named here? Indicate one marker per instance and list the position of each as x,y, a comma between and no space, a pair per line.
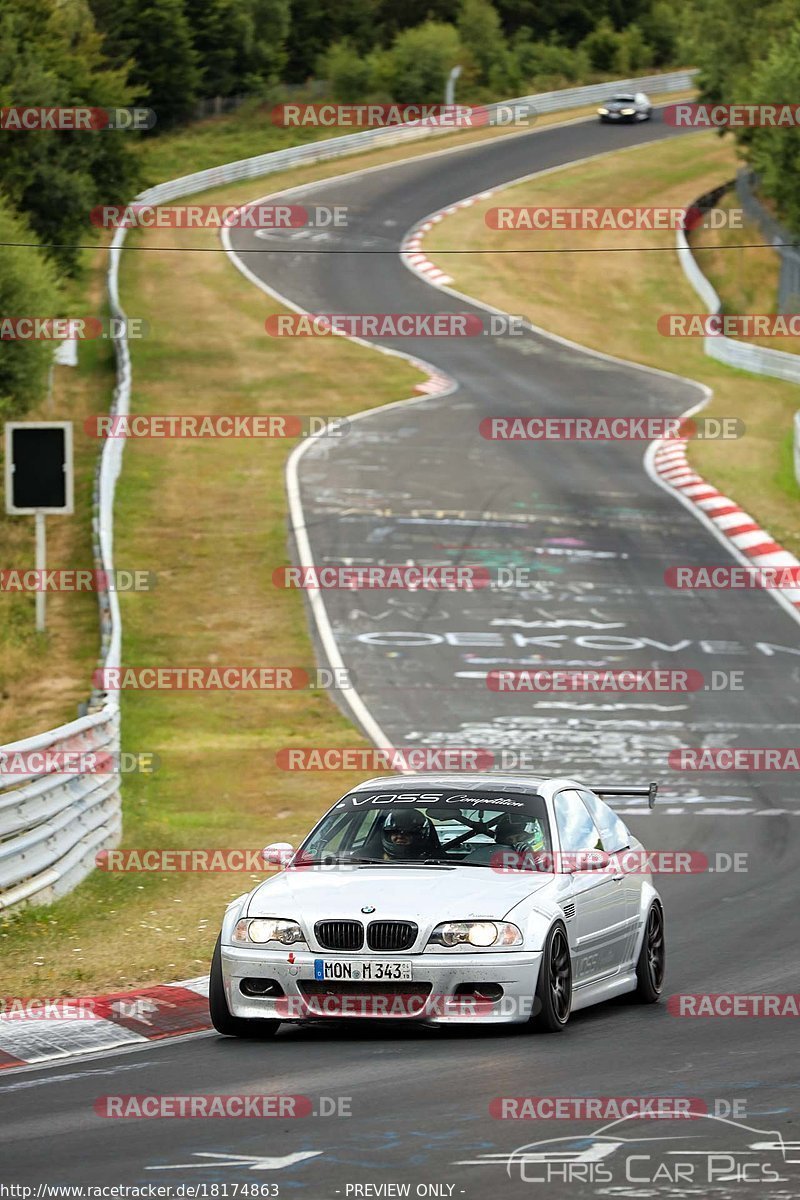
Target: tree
391,18
315,25
28,287
222,35
547,65
480,33
418,62
662,27
53,57
726,48
567,21
602,47
774,152
271,20
348,73
154,39
633,53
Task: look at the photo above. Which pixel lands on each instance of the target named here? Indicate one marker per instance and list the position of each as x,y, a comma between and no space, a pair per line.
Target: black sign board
39,467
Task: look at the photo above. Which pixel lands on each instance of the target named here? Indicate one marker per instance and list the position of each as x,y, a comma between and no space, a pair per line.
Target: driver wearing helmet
408,834
524,836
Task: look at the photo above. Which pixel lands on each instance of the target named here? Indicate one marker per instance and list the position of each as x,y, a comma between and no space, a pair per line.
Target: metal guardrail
745,356
52,826
369,139
786,246
52,823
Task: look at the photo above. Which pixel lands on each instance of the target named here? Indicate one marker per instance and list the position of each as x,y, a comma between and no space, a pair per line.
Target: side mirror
589,860
278,854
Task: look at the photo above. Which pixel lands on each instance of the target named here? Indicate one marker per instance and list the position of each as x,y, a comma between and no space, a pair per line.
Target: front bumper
429,997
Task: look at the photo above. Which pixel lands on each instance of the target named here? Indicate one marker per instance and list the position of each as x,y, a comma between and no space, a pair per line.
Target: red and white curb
435,385
411,249
128,1019
411,253
730,522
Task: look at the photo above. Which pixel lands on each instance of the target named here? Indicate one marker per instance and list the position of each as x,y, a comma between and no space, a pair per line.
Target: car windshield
623,99
441,828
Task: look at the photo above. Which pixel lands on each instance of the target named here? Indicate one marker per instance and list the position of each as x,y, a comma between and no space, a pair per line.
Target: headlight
475,933
627,112
603,112
268,929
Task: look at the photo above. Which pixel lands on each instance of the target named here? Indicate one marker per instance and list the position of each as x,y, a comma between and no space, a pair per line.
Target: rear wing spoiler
649,791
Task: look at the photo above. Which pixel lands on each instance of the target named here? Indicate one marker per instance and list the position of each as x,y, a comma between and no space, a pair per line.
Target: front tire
651,964
221,1017
553,998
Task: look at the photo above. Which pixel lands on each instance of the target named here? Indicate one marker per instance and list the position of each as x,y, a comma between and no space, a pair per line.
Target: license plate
349,969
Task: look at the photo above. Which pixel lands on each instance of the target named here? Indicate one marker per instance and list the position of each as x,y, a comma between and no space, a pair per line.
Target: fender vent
569,911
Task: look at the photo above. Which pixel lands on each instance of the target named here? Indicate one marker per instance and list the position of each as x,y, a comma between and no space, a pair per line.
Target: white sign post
39,480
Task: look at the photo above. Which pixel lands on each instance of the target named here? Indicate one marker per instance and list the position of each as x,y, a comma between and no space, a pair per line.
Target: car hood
423,894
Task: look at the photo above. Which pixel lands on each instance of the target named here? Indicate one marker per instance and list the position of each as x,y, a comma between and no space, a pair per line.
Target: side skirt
603,989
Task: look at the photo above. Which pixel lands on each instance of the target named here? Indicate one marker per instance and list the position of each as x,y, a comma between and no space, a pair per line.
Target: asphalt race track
418,482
